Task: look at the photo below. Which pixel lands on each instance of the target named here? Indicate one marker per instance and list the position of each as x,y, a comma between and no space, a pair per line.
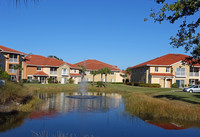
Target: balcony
13,60
65,73
53,72
180,74
12,71
194,74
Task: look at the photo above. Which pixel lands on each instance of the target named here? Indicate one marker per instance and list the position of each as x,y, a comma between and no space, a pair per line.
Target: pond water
104,116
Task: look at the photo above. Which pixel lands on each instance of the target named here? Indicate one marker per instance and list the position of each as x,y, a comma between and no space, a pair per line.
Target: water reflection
59,103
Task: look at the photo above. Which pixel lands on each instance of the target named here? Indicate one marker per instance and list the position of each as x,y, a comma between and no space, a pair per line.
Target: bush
116,82
100,84
33,81
49,80
174,85
146,85
71,81
23,81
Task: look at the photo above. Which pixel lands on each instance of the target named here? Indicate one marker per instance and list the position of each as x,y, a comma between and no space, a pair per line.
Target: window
11,69
112,80
65,72
29,77
88,72
103,80
112,73
53,70
1,55
13,77
167,69
156,69
88,79
39,68
13,58
75,71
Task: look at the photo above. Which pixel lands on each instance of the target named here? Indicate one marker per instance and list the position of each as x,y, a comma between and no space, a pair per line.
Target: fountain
83,92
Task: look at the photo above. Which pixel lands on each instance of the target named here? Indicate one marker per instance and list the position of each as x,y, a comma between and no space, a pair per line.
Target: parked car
194,88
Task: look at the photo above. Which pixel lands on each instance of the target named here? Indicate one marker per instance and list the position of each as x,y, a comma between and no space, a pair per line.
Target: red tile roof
75,74
96,65
40,73
37,60
168,126
165,60
9,50
161,74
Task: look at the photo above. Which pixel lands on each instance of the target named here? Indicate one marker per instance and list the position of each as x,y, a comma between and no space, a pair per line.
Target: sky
112,31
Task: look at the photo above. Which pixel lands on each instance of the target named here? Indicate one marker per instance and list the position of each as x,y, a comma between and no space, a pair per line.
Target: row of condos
36,67
166,70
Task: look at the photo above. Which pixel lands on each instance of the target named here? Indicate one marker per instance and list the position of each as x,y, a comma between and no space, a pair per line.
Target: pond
104,116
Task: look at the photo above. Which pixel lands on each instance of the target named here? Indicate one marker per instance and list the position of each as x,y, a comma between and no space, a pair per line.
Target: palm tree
100,71
93,73
82,71
19,68
55,57
106,71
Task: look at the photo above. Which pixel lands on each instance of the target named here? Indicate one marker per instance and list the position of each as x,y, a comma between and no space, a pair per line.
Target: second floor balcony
13,60
194,74
53,72
181,74
12,71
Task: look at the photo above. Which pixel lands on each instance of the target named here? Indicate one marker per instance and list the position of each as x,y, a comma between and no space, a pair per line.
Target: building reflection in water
59,103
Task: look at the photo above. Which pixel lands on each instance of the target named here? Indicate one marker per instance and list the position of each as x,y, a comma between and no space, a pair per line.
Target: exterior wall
5,61
161,69
59,72
116,77
140,75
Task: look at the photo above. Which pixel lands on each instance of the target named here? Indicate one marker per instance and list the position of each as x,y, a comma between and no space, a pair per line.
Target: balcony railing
13,60
194,74
12,71
180,74
65,73
53,72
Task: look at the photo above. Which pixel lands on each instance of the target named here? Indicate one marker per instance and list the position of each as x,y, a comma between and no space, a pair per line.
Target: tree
100,71
19,69
93,73
55,57
82,71
106,71
188,36
3,74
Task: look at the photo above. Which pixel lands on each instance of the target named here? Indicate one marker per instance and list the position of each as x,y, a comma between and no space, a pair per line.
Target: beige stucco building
166,70
8,59
41,68
95,65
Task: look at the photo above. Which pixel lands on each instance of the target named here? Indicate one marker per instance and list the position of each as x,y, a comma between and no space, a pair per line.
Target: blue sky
112,31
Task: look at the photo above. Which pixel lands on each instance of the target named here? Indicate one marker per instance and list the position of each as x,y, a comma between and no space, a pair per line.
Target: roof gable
168,59
38,60
92,64
9,50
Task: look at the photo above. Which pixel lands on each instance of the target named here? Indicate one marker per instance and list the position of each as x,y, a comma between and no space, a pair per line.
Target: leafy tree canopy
3,74
55,57
188,35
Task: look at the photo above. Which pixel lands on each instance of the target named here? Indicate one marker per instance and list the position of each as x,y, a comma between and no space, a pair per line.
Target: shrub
71,81
49,80
174,85
23,81
116,82
34,81
100,84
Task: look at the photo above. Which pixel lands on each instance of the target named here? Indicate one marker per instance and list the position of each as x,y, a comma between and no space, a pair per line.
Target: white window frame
156,69
30,76
38,69
112,80
167,69
112,73
103,80
13,59
88,79
88,72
